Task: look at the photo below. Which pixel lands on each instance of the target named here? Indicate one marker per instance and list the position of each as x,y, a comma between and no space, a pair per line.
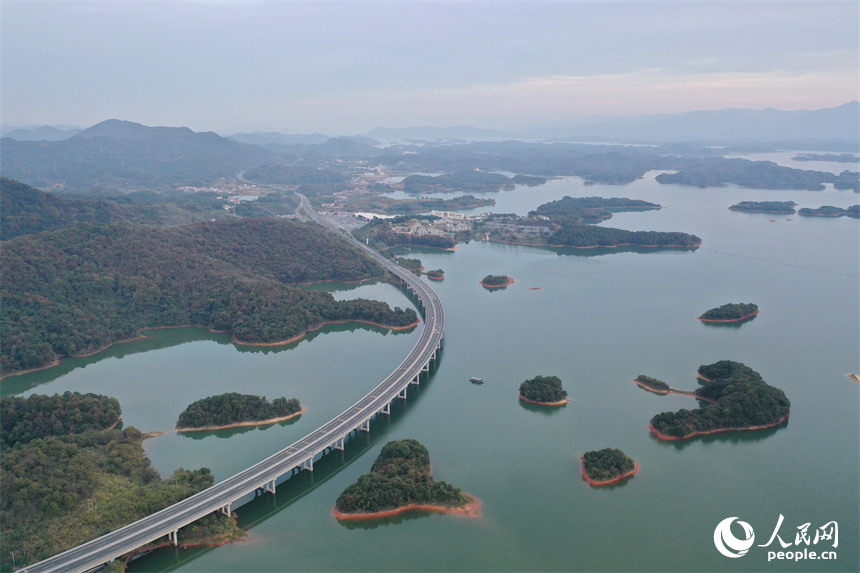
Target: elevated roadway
300,455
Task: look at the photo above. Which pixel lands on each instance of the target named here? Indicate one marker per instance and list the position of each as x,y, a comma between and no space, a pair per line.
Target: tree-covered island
68,476
544,390
400,481
831,211
497,281
233,410
436,274
777,207
741,400
607,466
652,384
730,313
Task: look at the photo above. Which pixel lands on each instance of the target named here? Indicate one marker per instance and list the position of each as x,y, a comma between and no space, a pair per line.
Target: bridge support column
416,380
226,509
308,464
402,393
173,536
338,445
386,409
365,426
426,367
270,487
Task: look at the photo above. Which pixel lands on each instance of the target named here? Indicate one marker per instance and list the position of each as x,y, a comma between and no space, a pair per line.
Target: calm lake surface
598,319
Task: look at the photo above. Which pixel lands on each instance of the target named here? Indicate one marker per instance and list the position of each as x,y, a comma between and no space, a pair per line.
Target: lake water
598,319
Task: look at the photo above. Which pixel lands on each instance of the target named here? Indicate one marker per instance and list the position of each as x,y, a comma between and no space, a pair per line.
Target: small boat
476,380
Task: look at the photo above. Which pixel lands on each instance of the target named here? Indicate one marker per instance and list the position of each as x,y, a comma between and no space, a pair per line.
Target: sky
347,67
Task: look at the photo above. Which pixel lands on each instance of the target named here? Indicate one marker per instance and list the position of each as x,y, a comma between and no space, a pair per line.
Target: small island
738,400
831,211
400,481
435,275
778,207
607,466
843,158
233,410
652,384
544,390
497,281
730,313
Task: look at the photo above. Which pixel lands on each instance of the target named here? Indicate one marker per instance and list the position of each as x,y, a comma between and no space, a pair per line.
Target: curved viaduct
301,454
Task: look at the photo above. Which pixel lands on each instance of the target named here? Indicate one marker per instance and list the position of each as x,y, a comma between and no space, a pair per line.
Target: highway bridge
300,455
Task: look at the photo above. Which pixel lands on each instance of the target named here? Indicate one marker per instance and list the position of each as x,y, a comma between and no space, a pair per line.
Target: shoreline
508,283
752,314
471,509
696,246
559,403
616,479
242,424
296,338
855,377
663,436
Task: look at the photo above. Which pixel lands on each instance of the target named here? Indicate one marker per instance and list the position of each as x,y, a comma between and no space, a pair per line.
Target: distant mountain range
457,132
838,124
41,133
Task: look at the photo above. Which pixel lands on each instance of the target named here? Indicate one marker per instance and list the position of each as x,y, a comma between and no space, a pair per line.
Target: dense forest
233,408
830,211
60,490
743,400
546,389
606,464
653,383
730,311
281,174
38,416
841,158
25,209
779,207
436,274
578,209
400,476
583,236
80,289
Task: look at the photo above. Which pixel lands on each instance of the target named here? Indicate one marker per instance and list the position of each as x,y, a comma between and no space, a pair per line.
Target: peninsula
400,481
831,211
607,466
497,281
730,313
544,390
234,410
738,400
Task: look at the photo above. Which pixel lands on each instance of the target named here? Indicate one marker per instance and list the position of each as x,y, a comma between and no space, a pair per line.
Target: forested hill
76,290
25,209
118,154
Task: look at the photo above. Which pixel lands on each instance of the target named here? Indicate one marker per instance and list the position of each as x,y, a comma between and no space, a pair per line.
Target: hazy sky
346,67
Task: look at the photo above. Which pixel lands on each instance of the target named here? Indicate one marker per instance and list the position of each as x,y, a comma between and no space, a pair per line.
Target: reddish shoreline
616,479
559,403
471,509
233,340
762,211
752,314
696,246
242,424
323,325
508,283
662,436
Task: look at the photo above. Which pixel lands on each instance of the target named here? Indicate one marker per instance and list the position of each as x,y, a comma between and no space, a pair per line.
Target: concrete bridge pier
365,426
308,464
386,409
338,445
226,510
416,381
173,536
402,393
